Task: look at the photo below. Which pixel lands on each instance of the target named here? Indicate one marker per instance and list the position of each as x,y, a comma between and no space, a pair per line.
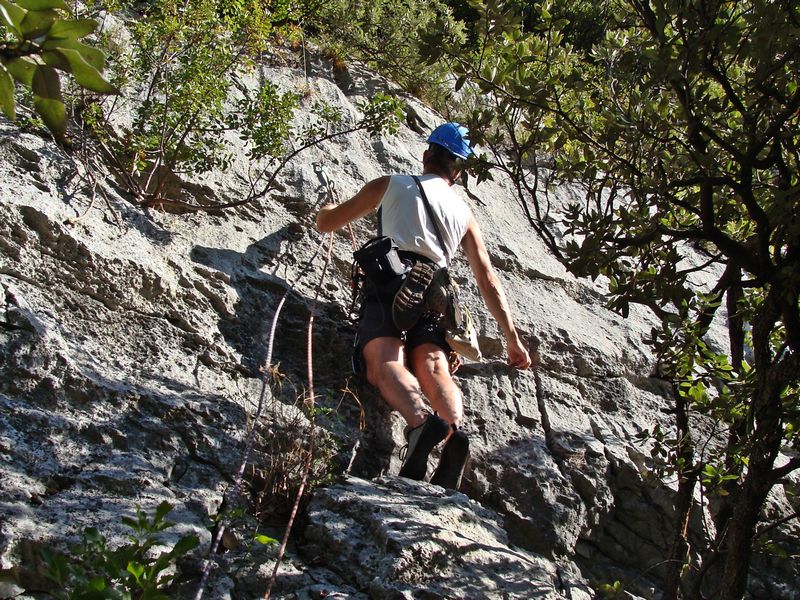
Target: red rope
311,401
266,373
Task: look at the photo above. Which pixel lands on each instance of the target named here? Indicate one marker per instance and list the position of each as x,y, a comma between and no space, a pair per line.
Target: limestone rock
133,347
402,539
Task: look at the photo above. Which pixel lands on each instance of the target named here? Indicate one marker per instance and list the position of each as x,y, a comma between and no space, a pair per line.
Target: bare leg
432,369
433,373
398,386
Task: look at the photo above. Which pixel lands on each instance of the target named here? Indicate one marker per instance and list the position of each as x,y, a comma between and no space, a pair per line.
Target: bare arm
492,292
335,216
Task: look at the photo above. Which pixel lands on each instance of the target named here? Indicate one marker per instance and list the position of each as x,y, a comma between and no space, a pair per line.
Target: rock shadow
344,401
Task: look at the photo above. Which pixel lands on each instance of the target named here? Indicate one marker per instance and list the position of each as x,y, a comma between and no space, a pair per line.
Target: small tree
683,127
185,61
178,69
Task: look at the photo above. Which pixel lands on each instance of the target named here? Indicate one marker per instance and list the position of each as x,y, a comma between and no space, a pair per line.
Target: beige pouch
463,336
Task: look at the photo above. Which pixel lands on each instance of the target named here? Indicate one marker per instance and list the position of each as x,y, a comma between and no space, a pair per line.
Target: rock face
132,346
432,547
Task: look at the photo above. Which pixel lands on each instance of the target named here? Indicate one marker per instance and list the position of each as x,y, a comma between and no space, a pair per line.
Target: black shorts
376,321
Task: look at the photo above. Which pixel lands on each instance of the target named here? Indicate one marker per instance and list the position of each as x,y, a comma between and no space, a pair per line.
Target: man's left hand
518,355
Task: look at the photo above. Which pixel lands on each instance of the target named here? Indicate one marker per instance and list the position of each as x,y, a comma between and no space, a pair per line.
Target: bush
93,570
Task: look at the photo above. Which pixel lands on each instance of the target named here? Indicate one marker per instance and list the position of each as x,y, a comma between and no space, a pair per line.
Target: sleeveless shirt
406,221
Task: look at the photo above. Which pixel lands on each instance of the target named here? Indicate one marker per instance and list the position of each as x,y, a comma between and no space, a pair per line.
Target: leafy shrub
93,570
183,59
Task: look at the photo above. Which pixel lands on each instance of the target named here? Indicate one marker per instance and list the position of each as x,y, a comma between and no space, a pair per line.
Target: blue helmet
453,137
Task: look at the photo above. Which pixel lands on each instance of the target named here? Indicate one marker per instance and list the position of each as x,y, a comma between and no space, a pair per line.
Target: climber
409,366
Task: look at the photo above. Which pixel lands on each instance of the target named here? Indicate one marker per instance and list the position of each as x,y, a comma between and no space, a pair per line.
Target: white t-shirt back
406,221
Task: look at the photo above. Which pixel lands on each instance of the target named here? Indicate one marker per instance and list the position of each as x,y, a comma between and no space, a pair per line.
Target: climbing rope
311,399
327,190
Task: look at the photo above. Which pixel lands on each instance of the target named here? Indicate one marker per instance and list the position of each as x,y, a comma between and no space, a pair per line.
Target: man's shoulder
399,183
403,178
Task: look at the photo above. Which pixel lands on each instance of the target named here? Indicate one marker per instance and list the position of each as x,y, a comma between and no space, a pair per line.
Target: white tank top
406,221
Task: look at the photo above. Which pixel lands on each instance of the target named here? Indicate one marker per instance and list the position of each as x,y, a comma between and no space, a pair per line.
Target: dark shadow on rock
259,295
343,400
374,453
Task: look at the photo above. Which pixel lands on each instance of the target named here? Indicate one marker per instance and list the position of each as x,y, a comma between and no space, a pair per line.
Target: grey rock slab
403,539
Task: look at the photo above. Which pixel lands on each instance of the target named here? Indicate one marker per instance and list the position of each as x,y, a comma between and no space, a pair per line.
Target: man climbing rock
404,348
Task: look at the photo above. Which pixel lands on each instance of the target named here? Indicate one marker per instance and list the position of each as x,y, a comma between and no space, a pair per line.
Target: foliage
608,591
38,39
382,33
682,129
183,62
586,20
134,570
187,59
183,58
292,444
265,120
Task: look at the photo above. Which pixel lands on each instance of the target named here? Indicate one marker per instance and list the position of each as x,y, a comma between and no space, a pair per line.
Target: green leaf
264,539
85,74
7,101
53,113
37,24
98,583
57,60
161,511
93,535
185,544
43,4
46,88
46,83
91,55
22,69
72,28
135,569
12,15
57,568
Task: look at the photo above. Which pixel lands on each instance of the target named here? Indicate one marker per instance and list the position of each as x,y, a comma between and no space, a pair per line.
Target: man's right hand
335,216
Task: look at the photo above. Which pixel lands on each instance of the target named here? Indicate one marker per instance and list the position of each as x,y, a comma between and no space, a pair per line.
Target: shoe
421,440
442,298
454,457
409,301
438,297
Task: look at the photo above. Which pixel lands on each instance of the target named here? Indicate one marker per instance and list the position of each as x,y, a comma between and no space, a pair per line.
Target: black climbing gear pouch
380,261
381,267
